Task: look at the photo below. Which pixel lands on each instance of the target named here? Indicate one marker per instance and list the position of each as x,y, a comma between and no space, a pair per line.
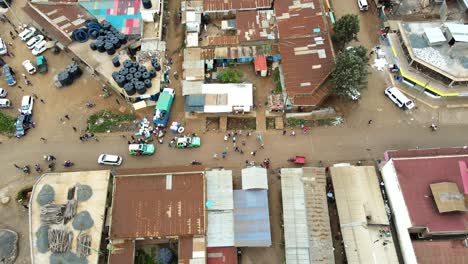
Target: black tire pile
134,77
71,73
108,38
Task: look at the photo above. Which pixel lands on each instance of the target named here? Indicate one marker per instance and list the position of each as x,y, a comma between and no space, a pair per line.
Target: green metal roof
164,102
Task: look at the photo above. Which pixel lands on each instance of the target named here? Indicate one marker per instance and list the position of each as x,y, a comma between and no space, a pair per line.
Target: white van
5,103
39,48
363,6
399,98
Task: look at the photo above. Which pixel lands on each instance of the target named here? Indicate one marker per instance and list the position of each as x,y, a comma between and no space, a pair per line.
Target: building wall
399,211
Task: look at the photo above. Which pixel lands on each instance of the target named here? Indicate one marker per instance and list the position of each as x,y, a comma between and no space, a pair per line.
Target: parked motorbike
68,163
90,104
196,162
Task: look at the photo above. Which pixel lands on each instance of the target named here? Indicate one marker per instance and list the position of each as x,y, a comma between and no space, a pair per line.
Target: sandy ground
354,140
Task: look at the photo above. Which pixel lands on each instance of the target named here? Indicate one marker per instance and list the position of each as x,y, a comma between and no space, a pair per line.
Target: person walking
43,139
74,129
293,133
67,117
215,156
370,122
284,132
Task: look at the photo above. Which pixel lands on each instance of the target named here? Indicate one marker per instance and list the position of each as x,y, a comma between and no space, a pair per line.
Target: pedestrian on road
42,101
35,96
43,139
370,122
253,153
241,151
234,139
236,149
24,75
86,136
262,146
16,166
215,156
284,132
67,117
92,135
12,35
305,129
74,129
81,138
131,143
293,133
19,86
133,138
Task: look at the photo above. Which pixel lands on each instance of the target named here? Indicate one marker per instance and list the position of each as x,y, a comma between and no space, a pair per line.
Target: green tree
231,76
350,74
345,29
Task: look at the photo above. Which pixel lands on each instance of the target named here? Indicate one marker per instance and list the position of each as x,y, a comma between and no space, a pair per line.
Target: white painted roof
220,231
458,31
434,35
254,178
238,94
219,190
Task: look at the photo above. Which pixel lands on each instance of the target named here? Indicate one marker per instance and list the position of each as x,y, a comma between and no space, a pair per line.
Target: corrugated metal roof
220,231
251,218
191,87
222,40
227,5
440,251
222,255
306,221
122,253
306,62
219,190
299,18
362,215
193,66
256,25
260,63
254,178
145,205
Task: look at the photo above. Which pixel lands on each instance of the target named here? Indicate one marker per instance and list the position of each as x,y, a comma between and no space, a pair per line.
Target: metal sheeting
219,190
306,221
251,218
220,231
254,178
362,215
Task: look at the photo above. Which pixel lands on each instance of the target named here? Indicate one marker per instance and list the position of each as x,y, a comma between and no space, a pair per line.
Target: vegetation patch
270,123
7,124
325,122
295,122
277,79
241,123
231,75
104,121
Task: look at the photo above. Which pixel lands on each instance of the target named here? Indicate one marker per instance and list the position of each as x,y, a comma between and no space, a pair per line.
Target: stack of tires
70,74
134,77
108,38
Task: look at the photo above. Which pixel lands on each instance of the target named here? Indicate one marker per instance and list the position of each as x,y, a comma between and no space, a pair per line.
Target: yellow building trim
427,87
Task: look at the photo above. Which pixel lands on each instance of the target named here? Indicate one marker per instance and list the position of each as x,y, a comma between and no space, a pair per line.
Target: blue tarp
194,103
251,218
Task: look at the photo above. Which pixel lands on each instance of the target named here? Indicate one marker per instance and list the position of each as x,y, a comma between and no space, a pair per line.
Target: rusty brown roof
440,251
158,202
226,5
222,40
59,19
299,20
313,99
123,253
185,249
307,63
255,25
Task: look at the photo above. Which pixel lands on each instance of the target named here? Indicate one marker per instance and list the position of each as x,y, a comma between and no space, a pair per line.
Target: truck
188,142
163,107
41,63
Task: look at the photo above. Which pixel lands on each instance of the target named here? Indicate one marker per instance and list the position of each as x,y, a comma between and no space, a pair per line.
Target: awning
260,63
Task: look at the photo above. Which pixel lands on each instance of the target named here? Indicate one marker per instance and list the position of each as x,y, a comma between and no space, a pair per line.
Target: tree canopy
350,74
231,75
345,30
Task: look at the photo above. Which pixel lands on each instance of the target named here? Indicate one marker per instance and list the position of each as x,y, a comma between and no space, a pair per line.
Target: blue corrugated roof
194,103
251,218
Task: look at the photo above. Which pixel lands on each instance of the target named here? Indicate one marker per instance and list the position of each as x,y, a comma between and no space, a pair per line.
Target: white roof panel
219,190
434,35
220,231
458,31
254,178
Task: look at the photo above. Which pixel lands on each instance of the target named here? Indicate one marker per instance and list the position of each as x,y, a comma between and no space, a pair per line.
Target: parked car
107,159
24,33
21,125
362,4
2,62
27,64
27,104
3,93
28,34
3,47
5,103
141,149
34,40
9,75
41,63
399,98
39,48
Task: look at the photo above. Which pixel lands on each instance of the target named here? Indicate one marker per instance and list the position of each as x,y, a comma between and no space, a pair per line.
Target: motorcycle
26,169
433,127
68,164
51,166
90,104
49,158
38,168
196,162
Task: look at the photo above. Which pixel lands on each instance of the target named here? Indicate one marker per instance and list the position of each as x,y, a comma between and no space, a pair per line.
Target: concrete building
427,190
364,223
155,204
307,231
57,196
431,57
